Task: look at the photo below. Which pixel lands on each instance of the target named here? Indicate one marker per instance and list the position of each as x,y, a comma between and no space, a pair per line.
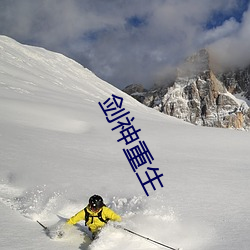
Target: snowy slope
57,149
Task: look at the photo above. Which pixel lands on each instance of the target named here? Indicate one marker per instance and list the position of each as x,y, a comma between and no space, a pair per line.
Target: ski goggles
94,208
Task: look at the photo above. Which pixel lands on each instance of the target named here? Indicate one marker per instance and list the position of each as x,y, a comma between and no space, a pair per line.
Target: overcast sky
131,41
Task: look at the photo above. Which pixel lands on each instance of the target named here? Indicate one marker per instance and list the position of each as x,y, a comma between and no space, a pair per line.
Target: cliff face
237,81
201,97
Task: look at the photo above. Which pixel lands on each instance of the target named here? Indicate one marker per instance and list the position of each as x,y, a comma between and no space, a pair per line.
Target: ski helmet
96,202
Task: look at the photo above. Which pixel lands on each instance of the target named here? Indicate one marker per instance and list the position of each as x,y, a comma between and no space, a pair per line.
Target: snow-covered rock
199,97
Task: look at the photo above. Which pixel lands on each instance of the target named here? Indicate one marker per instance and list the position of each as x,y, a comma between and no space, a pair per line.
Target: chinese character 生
150,180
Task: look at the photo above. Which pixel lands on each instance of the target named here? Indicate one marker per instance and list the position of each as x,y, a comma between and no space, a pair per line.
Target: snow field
57,149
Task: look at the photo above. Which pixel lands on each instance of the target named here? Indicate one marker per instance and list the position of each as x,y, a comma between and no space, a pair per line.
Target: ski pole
45,228
150,239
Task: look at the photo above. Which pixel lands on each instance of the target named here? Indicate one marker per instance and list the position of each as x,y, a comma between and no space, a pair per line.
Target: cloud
125,42
228,28
233,49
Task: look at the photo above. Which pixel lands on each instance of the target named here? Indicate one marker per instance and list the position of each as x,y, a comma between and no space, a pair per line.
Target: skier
95,214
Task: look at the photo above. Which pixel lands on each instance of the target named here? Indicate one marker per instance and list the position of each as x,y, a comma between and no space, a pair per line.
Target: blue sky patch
136,21
219,17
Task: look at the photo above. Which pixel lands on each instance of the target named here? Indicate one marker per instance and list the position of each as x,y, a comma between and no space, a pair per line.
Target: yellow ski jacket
94,223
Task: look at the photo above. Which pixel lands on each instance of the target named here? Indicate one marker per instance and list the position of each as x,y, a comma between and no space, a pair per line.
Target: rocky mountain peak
202,97
196,64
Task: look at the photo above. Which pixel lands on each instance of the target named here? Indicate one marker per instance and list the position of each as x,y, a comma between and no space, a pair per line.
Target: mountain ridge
201,95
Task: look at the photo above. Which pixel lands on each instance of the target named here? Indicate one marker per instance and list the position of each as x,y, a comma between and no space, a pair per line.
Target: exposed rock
237,81
137,91
201,97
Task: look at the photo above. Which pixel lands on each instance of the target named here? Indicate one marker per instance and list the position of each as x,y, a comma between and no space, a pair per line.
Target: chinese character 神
129,134
136,155
122,124
115,106
150,180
